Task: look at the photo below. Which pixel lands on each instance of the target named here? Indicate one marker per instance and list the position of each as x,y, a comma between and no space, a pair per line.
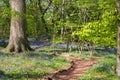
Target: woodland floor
77,68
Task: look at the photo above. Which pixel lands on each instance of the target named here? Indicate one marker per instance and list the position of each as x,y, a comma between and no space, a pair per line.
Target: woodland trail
77,68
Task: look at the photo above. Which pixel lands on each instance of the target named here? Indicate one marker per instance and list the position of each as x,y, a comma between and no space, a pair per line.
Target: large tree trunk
118,43
18,40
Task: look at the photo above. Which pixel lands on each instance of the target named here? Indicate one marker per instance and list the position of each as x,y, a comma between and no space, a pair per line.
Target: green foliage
82,20
102,30
4,18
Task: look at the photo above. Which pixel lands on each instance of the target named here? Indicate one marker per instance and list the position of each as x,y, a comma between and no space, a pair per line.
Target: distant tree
18,38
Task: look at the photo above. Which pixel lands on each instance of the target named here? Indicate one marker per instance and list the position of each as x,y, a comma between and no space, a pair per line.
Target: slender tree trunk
54,24
118,53
71,46
118,43
80,48
63,16
92,49
37,27
18,40
68,45
43,11
44,25
62,33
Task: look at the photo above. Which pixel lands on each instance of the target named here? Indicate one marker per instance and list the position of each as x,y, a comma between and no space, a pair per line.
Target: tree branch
50,2
43,11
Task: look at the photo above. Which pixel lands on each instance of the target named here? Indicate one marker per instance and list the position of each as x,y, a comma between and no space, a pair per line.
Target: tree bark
118,42
18,39
63,16
80,48
92,49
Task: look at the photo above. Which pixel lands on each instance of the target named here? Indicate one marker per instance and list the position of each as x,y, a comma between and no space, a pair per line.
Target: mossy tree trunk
18,40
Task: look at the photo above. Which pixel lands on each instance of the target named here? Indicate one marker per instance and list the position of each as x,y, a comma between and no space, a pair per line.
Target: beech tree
18,38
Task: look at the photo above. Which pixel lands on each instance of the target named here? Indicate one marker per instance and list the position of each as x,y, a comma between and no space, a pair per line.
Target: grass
37,65
1,48
52,48
86,54
104,70
29,65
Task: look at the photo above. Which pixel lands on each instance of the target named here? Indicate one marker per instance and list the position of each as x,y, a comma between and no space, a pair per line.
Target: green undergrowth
29,65
103,70
1,48
86,54
52,48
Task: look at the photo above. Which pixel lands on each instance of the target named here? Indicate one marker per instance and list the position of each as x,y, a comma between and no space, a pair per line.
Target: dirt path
76,70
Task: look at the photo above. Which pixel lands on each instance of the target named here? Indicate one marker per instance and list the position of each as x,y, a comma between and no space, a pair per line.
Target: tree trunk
68,45
118,43
44,25
18,40
92,49
80,48
118,53
63,16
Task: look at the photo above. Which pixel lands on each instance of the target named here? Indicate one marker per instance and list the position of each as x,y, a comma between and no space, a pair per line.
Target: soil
76,70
